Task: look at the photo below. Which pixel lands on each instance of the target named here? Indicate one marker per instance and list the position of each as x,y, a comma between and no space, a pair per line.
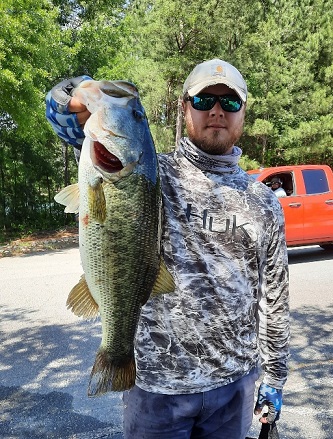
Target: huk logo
212,224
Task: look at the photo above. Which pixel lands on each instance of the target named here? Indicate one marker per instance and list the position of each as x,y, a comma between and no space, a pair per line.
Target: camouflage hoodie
223,240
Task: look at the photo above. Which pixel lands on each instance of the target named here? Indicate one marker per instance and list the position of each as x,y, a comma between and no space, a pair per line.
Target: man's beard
214,145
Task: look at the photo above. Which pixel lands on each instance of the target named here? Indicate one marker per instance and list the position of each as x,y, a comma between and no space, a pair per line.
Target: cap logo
218,70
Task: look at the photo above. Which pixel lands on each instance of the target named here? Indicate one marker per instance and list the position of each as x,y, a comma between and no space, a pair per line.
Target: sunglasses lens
231,103
203,103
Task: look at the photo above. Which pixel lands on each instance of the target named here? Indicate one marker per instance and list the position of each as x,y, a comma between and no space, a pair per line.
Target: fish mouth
105,160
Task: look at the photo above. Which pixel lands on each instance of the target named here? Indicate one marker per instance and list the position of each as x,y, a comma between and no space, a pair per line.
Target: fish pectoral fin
81,302
164,282
69,197
97,203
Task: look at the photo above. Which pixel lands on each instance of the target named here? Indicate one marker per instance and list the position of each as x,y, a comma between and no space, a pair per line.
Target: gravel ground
40,242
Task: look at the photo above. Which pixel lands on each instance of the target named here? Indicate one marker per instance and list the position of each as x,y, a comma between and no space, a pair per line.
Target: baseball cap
215,72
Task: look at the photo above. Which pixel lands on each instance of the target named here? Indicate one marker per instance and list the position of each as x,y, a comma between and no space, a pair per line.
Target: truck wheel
328,247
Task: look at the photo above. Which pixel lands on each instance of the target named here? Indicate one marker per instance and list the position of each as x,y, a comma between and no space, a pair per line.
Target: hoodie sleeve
273,309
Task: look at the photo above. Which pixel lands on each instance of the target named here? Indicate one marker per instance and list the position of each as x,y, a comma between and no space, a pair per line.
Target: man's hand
82,114
271,397
66,114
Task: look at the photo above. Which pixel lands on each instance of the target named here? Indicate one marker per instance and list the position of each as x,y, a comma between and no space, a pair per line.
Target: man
198,350
276,185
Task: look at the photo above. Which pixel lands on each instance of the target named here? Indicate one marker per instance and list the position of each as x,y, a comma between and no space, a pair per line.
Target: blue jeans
223,413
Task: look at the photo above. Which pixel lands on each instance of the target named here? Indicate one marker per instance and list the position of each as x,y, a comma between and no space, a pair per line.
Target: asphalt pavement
46,353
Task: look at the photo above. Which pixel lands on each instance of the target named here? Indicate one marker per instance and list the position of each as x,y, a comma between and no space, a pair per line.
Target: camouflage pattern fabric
223,241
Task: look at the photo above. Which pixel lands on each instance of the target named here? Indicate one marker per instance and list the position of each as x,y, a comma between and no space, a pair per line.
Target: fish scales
119,227
127,247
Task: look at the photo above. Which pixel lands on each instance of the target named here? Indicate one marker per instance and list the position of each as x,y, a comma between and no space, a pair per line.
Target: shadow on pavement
26,415
307,411
308,393
45,371
44,377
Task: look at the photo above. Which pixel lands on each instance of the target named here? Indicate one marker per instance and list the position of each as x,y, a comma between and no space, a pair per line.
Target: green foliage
30,57
288,78
284,49
247,164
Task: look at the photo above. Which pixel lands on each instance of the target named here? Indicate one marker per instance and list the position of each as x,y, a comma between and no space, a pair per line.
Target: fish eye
138,114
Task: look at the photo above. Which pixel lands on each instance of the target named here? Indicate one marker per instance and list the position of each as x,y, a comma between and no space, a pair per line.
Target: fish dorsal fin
81,302
164,282
69,197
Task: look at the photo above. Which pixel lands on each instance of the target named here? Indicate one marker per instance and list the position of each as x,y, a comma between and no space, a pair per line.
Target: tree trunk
179,122
264,147
65,162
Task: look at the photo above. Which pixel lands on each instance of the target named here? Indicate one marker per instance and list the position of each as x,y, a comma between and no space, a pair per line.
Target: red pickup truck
308,204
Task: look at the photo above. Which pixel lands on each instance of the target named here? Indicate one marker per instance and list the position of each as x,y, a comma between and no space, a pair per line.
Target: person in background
200,350
276,185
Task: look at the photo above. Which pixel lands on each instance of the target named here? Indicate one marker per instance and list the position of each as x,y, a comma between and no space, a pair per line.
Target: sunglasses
206,101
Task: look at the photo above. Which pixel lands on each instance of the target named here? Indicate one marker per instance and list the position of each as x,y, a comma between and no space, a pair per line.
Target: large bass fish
119,203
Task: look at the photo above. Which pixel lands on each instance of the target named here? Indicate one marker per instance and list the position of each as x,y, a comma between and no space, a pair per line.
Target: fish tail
111,375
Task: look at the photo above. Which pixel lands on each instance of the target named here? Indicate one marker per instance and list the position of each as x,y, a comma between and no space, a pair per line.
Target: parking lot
46,353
